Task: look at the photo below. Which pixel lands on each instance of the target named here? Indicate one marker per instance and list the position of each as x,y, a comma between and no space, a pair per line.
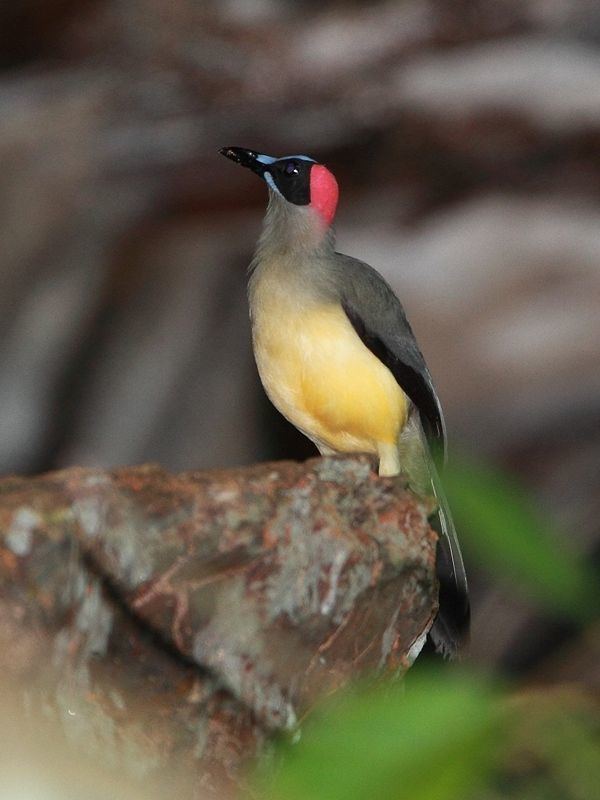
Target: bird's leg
389,460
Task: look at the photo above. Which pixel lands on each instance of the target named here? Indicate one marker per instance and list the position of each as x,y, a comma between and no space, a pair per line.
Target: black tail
450,630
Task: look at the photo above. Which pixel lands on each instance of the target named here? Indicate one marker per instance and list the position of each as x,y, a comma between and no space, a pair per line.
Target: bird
338,358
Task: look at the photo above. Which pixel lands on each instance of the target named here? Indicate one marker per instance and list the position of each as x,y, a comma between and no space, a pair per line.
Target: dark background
465,137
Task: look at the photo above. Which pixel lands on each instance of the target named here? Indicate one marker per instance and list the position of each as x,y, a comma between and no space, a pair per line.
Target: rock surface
170,622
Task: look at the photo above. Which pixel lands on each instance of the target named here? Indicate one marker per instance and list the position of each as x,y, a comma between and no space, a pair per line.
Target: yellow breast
320,375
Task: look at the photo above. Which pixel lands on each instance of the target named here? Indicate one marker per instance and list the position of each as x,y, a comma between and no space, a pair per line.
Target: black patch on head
292,177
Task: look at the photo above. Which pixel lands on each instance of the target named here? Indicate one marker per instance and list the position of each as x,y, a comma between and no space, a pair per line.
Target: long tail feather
450,630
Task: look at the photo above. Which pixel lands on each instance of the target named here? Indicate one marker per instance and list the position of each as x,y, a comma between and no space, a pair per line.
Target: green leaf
500,527
433,741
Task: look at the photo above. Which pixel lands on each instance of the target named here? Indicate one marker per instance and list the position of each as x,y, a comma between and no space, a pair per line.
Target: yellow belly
320,375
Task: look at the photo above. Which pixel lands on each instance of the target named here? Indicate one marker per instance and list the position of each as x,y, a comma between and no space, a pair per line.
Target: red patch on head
324,192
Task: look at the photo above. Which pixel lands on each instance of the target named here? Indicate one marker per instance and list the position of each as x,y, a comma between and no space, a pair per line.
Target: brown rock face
188,615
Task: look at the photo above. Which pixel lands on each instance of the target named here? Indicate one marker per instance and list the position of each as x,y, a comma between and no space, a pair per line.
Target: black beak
246,158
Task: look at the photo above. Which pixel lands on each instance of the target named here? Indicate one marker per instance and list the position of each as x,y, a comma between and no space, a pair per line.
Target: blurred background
466,140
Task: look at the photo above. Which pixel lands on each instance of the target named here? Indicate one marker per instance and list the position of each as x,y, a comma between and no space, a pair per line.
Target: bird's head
299,180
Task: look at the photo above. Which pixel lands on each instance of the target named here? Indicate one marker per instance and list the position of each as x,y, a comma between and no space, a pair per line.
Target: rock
188,615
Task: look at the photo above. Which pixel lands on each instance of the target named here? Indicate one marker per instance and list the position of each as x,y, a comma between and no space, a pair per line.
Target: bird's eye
291,168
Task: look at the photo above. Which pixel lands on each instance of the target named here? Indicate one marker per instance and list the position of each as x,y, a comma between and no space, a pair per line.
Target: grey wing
379,319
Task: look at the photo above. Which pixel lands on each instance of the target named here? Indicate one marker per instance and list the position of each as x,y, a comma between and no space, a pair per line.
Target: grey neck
292,230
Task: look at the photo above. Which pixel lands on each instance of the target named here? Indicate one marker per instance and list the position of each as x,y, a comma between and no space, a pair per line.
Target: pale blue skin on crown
272,159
